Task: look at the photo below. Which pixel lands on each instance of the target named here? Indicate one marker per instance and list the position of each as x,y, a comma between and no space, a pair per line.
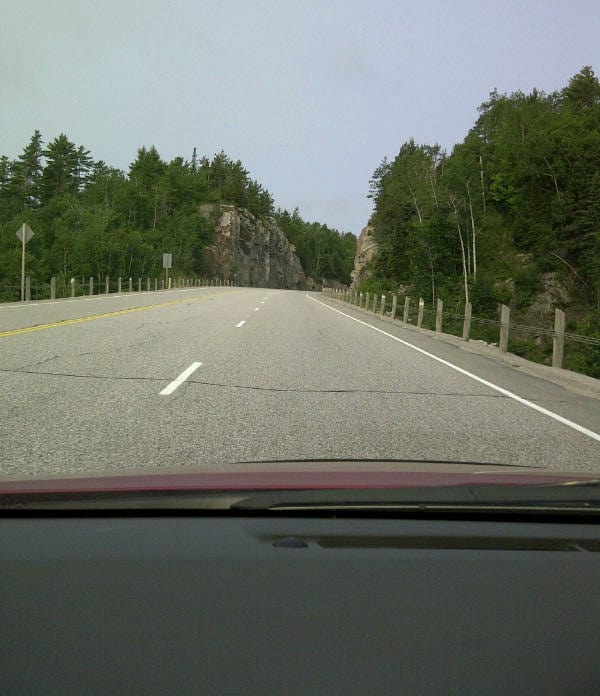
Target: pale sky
310,96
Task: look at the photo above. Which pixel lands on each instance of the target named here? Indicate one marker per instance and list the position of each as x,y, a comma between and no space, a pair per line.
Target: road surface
205,378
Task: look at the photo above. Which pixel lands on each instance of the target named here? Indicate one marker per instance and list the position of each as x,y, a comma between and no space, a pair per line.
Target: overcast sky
311,96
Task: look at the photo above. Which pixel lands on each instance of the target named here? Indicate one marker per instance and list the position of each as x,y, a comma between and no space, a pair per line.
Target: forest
513,210
91,219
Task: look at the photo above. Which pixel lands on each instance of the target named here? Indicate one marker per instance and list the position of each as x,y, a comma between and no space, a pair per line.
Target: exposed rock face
366,249
555,294
253,252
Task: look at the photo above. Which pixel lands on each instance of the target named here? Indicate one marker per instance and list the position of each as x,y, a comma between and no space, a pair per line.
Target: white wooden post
504,322
558,343
420,315
467,321
438,316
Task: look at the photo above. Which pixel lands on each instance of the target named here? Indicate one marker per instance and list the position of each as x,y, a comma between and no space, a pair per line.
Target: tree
62,172
28,172
583,90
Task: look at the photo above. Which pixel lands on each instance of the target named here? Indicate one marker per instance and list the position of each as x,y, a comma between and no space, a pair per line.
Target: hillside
511,215
90,219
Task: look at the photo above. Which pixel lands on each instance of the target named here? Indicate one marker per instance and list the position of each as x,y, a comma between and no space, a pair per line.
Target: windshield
318,238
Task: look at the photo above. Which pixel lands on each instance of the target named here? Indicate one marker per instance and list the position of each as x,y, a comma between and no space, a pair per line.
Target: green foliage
324,253
527,285
583,357
524,183
90,219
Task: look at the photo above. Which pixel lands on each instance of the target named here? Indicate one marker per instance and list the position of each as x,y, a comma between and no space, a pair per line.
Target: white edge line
491,385
240,324
169,389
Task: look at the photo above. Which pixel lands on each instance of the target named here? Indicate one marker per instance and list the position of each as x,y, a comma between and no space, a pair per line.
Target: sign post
24,233
167,263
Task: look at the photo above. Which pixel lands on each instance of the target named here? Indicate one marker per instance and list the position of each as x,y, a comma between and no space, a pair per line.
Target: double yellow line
106,315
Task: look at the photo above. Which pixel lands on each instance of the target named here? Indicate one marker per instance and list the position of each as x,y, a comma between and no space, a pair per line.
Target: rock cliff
252,252
366,249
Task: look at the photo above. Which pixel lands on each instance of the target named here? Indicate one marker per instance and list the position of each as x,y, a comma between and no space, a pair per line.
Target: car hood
302,475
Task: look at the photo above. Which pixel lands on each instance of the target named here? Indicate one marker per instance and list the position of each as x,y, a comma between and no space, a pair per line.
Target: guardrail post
28,288
53,288
118,284
72,287
147,284
367,300
360,300
420,315
406,308
438,316
558,342
107,285
91,285
374,308
382,305
162,284
504,326
130,283
139,285
394,305
467,321
155,284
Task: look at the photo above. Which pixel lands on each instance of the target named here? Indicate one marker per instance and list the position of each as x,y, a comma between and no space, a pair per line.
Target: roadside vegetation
90,219
511,215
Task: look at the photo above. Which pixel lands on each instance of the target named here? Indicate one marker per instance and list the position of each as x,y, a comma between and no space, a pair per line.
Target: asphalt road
281,375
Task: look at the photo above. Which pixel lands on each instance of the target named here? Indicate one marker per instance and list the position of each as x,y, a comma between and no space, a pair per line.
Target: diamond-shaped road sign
28,233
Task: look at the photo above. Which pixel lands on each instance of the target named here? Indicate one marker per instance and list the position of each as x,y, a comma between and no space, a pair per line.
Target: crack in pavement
251,387
36,364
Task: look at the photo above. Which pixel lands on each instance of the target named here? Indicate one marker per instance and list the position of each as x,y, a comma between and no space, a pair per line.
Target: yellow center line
105,315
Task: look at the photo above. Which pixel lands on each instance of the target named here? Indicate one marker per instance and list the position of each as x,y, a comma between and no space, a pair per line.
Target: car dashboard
214,603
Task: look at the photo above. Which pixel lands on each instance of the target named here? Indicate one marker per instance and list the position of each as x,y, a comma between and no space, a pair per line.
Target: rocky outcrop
365,251
252,252
554,294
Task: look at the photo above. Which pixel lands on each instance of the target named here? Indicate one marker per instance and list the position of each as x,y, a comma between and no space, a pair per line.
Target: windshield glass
300,237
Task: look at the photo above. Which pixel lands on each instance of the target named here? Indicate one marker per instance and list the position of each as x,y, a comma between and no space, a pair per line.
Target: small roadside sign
24,230
167,260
